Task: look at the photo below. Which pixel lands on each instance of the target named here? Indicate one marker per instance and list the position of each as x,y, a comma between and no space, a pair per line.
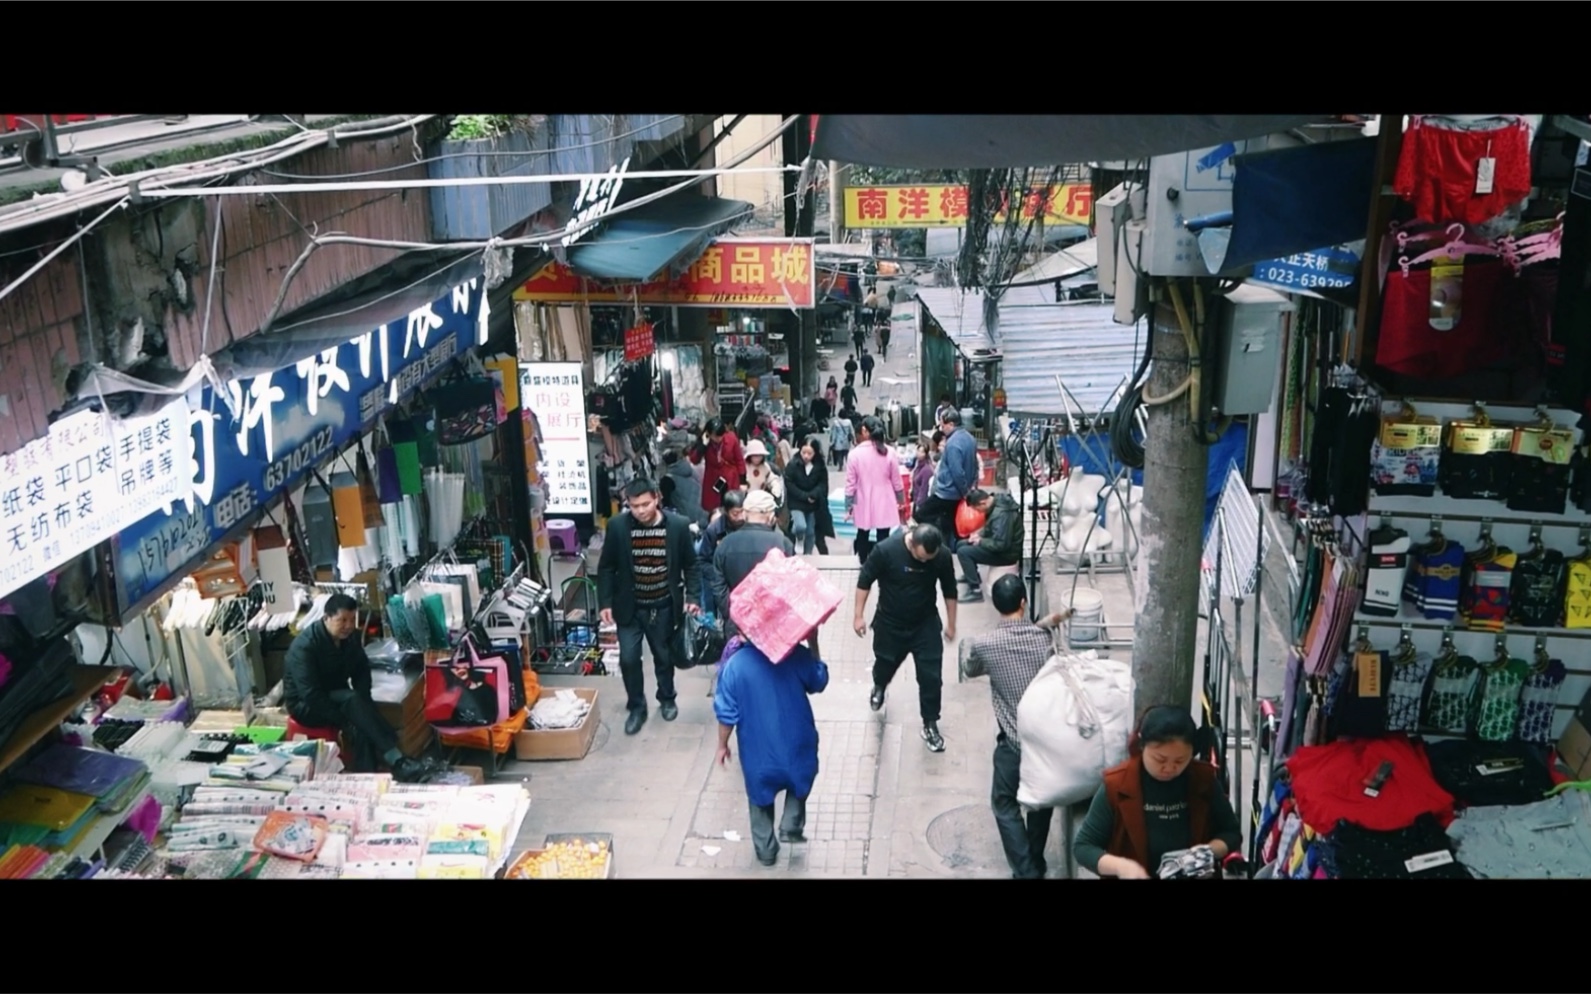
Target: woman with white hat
759,474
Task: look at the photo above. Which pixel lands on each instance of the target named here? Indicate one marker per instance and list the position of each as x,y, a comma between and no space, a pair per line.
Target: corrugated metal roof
1079,341
961,312
1080,258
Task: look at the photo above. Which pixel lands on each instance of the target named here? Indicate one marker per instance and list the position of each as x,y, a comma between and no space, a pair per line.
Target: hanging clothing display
1463,171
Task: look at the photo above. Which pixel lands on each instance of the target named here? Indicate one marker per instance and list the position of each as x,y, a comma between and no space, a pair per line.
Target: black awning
1292,200
968,141
660,238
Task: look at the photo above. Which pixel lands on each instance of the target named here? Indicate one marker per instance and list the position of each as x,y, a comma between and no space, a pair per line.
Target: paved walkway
883,805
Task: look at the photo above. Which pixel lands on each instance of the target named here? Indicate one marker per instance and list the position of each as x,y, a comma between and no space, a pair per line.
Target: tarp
665,236
1000,141
1298,200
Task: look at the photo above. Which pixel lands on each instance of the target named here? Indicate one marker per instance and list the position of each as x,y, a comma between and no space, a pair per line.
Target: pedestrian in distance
763,704
1161,801
851,366
848,397
831,393
842,435
997,543
866,363
956,476
726,520
922,477
1011,656
724,461
883,335
647,581
873,490
907,569
806,486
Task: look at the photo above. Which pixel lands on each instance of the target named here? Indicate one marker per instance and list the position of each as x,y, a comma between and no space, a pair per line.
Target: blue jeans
804,526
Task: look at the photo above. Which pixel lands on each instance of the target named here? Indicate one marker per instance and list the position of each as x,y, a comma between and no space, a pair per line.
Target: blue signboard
1322,268
286,423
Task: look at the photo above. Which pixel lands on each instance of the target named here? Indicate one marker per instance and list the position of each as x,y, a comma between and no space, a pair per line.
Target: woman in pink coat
873,491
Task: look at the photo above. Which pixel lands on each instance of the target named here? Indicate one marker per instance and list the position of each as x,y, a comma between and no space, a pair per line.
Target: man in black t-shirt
907,568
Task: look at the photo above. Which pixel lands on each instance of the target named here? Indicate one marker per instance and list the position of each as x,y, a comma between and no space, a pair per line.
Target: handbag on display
389,482
275,568
320,525
467,691
467,409
348,507
295,543
369,494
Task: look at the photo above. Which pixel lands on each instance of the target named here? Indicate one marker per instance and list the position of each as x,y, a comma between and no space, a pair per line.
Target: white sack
1074,722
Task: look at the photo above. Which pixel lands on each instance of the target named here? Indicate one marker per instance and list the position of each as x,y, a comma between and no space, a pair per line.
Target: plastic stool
294,730
562,537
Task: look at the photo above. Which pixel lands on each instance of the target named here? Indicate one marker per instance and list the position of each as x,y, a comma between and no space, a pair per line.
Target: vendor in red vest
1158,803
724,460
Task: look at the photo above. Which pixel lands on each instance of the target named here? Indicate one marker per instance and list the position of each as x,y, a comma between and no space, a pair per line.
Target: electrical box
1243,350
1110,213
1184,186
1132,292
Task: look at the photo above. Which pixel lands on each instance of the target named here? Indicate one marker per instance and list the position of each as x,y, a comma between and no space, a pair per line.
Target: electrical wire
68,243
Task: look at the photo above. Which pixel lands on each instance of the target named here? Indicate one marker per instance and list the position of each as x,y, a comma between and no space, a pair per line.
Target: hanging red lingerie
1438,165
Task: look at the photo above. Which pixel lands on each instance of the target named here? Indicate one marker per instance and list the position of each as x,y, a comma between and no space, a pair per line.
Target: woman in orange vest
1161,802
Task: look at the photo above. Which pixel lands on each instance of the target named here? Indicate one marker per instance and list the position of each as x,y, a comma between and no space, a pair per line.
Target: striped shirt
649,554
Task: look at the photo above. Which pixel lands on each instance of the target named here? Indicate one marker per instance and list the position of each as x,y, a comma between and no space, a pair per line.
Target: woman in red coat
724,460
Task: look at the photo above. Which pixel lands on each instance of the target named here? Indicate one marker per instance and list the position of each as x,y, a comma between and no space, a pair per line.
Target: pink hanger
1454,249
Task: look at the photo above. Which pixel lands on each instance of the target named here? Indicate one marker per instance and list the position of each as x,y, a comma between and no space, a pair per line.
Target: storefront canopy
666,236
1001,141
1294,200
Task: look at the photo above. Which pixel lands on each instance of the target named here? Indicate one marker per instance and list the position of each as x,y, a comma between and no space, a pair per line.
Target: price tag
1428,861
1485,176
1499,766
1368,666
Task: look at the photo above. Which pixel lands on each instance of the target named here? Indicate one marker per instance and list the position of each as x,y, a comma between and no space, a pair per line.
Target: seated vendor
327,685
1159,801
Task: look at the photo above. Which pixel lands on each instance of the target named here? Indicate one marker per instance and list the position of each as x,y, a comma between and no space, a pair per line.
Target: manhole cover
966,839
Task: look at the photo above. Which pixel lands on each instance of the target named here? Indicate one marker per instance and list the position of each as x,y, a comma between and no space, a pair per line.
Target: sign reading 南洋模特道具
288,422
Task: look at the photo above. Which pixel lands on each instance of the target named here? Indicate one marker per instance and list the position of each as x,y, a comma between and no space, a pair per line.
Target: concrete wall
763,190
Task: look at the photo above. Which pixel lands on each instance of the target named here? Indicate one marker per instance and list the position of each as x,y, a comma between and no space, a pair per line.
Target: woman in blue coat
765,705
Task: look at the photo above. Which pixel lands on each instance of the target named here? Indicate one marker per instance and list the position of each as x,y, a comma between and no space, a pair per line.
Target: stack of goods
1359,809
23,862
563,709
29,683
133,709
71,799
1548,839
844,529
240,792
164,746
566,857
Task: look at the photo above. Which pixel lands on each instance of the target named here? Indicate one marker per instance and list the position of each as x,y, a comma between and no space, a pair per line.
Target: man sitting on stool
999,543
327,685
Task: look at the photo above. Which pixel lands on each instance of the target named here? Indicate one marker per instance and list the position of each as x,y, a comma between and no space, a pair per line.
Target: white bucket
1088,616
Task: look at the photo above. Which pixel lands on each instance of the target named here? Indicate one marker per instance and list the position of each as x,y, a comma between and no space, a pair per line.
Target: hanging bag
222,574
320,524
404,433
369,493
348,508
275,568
467,409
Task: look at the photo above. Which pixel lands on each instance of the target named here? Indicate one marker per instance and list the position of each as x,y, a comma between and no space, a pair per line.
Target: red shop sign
639,343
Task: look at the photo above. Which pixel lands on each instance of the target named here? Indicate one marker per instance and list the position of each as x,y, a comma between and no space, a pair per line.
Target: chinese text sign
555,393
742,273
946,206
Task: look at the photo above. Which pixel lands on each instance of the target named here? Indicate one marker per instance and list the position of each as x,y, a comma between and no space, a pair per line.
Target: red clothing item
724,459
1329,782
1436,171
1409,345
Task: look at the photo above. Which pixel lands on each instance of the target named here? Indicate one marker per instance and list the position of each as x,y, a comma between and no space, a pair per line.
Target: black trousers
764,837
923,643
658,627
941,514
972,556
867,377
373,738
866,539
1023,839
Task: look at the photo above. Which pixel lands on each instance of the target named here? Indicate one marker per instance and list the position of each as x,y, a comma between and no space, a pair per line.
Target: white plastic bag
1074,721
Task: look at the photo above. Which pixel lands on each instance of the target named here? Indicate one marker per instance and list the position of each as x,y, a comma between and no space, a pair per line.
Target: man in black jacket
327,685
682,491
998,543
647,581
739,554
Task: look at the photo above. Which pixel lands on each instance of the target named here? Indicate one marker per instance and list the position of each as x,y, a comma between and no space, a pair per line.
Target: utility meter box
1189,185
1245,343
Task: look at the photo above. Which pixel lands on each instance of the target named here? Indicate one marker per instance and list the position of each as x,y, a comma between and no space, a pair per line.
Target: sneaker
972,596
876,701
931,736
668,710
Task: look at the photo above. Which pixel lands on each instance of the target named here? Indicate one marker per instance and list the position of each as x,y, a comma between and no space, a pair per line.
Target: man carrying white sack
764,703
1012,656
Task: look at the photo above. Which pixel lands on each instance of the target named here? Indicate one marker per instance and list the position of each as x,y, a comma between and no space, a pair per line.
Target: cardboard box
1574,746
475,773
563,743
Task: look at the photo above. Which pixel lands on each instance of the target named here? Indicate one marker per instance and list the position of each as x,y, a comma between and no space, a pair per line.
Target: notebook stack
67,795
23,862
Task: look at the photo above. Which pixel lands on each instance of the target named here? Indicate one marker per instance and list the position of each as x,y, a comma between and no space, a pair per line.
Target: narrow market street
883,804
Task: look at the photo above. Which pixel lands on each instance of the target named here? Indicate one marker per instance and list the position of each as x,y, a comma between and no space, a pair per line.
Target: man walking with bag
956,476
647,581
1011,656
907,568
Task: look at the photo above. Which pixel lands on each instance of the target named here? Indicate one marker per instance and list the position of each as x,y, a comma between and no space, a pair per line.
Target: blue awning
1293,200
661,238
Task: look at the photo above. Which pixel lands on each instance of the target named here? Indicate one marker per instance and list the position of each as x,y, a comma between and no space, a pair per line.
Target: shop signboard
89,478
1320,269
639,342
922,206
742,273
555,392
286,423
595,200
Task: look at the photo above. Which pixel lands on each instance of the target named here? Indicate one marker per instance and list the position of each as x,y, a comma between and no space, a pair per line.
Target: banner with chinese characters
287,423
946,206
89,478
639,342
745,273
555,392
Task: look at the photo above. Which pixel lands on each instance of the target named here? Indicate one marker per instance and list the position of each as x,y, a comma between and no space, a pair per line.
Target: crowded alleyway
883,805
